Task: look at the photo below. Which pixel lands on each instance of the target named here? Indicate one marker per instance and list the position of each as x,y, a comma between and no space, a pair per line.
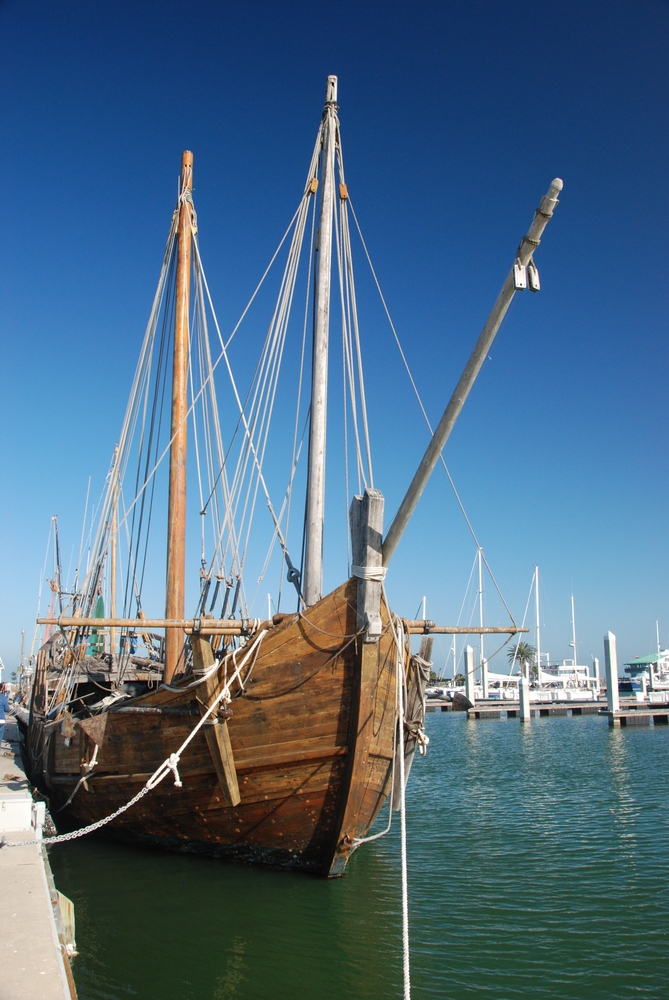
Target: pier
511,710
38,922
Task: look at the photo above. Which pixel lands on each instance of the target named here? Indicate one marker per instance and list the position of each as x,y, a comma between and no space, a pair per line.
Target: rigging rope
427,420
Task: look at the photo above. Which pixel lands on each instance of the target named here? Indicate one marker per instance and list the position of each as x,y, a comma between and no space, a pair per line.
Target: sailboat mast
536,602
573,629
315,511
176,516
112,566
481,611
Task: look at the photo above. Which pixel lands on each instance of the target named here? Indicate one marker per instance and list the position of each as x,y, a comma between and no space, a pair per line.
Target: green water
537,868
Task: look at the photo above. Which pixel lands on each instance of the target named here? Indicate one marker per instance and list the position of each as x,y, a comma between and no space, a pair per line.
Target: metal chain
63,837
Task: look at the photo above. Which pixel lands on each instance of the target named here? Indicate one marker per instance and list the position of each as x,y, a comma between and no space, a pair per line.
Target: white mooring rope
403,827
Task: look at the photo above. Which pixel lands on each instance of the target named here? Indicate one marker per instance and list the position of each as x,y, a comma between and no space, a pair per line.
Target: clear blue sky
455,118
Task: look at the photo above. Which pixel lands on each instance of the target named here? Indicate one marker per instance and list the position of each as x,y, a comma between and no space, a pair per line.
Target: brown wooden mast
176,517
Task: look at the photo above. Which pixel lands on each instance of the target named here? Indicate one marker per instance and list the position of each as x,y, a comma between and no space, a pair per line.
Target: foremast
315,506
176,516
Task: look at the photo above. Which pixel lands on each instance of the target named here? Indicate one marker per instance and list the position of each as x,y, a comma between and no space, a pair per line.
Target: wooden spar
233,626
216,728
527,247
420,627
204,626
112,561
176,516
313,553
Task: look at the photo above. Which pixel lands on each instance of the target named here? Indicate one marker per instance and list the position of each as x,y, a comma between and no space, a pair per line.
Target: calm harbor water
537,868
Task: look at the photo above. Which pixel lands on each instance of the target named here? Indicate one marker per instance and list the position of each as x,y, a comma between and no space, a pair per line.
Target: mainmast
573,630
536,604
176,516
315,512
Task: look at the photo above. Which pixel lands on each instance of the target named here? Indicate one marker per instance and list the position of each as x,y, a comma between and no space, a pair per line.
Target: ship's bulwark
312,741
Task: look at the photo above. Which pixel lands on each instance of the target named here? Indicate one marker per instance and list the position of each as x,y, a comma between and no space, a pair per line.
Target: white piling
469,674
524,697
595,664
484,677
611,662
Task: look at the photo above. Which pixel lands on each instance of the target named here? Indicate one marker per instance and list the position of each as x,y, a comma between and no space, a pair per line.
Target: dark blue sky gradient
455,118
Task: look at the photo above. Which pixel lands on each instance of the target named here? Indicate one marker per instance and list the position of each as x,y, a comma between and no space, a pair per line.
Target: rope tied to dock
170,765
401,725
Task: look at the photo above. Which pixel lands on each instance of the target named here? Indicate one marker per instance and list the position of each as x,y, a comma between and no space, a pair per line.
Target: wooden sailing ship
282,734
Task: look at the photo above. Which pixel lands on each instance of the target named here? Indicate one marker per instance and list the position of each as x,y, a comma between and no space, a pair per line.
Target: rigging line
224,355
191,331
207,421
272,359
267,352
222,458
283,240
348,544
286,308
221,355
279,331
515,653
427,421
349,320
347,352
161,372
81,545
146,344
469,582
299,391
354,414
349,252
283,505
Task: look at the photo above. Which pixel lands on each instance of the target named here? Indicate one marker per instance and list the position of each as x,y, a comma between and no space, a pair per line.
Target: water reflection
525,845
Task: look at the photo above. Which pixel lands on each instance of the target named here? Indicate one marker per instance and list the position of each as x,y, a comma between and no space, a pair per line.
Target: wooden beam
205,626
215,729
420,627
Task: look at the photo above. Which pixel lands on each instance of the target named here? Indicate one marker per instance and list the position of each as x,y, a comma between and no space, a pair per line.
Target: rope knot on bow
172,762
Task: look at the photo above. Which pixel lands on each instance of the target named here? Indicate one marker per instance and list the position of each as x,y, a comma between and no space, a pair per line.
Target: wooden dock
511,709
639,715
34,950
491,709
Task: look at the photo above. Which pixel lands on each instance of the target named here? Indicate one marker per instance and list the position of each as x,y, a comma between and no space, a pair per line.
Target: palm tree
523,653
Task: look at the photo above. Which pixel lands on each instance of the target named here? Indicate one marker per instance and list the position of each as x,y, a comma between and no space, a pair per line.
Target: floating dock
38,922
511,709
639,715
491,709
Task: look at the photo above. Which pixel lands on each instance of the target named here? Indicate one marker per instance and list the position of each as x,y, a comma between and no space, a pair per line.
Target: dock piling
611,662
524,697
469,674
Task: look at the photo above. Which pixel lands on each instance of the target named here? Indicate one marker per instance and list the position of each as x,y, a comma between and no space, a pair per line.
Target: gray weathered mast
313,557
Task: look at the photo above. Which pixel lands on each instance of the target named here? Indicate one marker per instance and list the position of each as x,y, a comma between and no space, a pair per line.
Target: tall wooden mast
176,516
313,554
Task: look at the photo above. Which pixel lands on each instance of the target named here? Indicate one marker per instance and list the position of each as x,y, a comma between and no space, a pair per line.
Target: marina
340,420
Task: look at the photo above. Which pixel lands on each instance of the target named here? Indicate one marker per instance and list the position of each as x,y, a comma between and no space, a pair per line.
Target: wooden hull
311,742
